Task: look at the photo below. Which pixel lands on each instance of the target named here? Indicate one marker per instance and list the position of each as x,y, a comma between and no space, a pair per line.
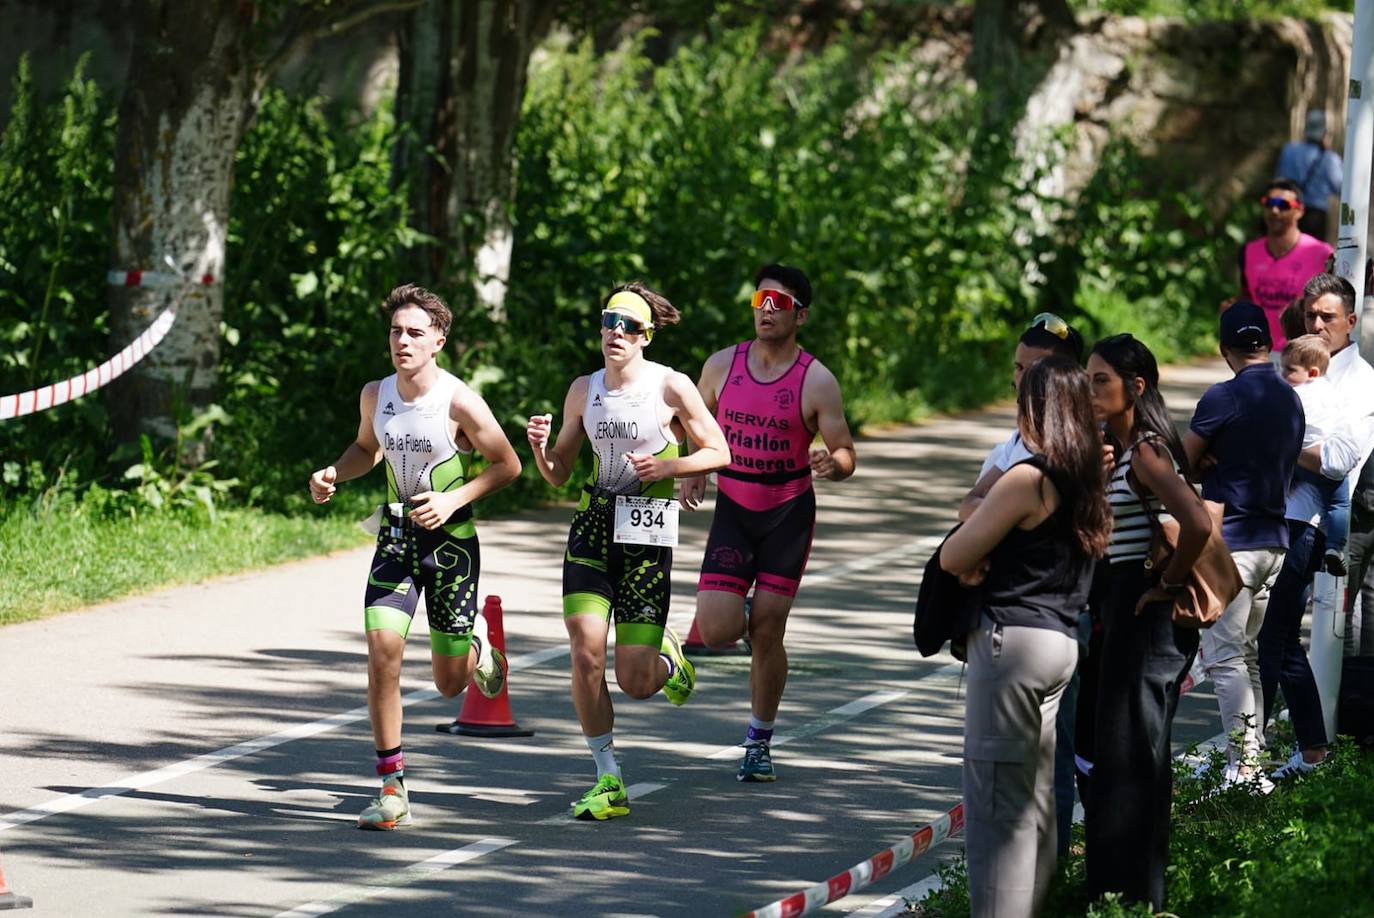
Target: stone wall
1220,99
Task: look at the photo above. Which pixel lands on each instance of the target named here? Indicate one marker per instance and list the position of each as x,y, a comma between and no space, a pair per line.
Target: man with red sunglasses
1274,267
771,398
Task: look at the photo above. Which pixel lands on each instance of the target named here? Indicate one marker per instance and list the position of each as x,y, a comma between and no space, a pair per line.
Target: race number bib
645,521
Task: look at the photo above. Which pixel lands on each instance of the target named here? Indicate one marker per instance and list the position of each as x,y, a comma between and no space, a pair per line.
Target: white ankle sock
603,751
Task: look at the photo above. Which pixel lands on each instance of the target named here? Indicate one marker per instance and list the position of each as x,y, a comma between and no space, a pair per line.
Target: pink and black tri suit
765,509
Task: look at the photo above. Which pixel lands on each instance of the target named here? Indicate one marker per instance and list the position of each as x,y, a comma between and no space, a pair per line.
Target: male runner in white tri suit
772,399
426,422
619,557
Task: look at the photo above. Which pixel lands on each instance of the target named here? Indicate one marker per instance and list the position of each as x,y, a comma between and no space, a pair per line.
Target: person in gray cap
1316,169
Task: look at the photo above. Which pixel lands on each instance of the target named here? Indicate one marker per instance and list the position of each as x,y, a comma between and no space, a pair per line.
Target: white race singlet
417,439
633,419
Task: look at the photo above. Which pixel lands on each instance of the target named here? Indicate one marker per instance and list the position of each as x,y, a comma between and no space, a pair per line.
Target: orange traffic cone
8,899
483,716
696,647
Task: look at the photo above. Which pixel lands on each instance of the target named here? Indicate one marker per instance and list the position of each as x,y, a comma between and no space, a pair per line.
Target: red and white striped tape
154,279
13,406
869,871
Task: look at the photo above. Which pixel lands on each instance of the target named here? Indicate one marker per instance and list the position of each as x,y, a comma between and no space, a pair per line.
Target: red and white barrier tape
861,875
154,279
13,406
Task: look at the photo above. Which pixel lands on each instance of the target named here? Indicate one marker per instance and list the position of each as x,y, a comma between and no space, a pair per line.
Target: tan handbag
1212,583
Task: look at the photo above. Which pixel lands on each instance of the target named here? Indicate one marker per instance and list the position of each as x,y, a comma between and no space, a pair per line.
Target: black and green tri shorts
628,583
442,563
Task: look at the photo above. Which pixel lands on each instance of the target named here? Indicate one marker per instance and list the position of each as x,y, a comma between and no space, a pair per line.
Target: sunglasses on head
775,298
629,324
1280,203
1052,324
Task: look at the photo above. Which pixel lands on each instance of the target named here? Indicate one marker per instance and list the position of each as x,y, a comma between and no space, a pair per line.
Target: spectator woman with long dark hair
1032,544
1144,656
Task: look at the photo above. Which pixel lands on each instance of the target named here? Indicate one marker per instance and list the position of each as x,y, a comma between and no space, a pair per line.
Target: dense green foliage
868,172
1209,10
62,554
1299,850
927,252
55,190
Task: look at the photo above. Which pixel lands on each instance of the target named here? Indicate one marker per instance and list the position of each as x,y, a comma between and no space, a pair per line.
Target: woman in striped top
1144,657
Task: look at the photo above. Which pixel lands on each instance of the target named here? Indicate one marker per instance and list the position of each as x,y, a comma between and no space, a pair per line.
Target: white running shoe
490,675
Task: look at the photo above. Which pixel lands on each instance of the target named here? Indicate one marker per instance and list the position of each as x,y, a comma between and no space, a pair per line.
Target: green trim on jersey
393,495
449,645
587,604
385,618
444,478
661,489
638,634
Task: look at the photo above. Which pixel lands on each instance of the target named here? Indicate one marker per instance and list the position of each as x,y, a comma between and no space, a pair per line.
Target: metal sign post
1328,619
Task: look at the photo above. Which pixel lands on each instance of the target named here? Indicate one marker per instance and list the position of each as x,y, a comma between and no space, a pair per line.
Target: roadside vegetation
914,218
1297,851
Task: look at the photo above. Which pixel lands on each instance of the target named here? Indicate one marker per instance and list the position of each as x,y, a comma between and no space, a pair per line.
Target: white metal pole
1328,619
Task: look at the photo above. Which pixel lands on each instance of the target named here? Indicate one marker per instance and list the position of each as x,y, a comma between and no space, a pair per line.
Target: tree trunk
462,189
424,44
489,71
1003,31
190,87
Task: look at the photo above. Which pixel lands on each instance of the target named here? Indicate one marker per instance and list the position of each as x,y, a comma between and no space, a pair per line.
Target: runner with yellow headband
619,559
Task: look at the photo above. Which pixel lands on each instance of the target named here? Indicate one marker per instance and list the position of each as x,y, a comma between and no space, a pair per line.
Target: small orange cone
483,716
9,900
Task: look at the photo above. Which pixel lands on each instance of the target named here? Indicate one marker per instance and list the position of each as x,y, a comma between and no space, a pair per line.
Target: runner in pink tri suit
1274,267
771,398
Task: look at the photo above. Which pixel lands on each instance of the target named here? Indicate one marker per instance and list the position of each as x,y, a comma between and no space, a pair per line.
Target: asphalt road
205,750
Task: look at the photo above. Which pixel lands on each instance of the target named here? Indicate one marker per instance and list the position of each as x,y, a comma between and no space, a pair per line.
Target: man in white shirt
1330,312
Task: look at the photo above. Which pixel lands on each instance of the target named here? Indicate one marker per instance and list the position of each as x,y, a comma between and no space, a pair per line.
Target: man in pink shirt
1274,267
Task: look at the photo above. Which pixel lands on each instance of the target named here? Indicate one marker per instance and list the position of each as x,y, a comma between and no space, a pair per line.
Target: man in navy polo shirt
1245,435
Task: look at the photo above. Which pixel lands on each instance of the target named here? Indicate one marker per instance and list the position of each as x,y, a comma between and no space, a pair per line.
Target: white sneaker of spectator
1294,767
1255,782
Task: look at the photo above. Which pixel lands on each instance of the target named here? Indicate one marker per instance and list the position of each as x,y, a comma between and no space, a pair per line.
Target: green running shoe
490,674
606,799
757,764
680,684
389,811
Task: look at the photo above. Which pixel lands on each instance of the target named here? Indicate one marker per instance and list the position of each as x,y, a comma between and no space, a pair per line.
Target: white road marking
895,904
639,791
842,713
868,562
402,877
146,779
634,792
143,780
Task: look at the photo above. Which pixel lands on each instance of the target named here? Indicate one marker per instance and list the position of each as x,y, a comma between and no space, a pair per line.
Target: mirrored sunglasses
1052,324
775,298
629,324
1280,203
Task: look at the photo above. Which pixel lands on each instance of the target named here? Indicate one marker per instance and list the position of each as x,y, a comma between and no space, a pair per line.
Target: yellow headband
630,302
